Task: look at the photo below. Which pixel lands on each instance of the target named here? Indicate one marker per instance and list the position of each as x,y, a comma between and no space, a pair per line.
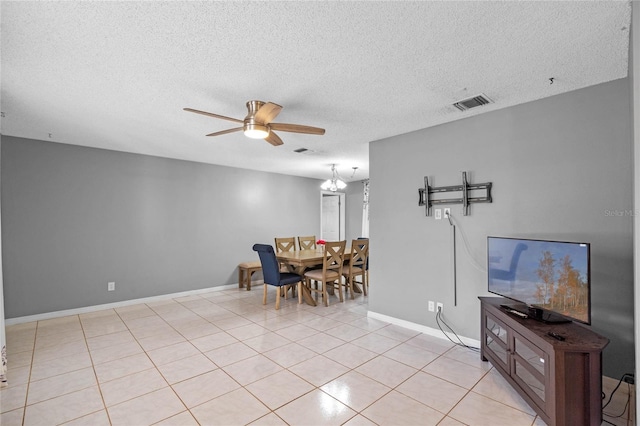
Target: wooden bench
245,271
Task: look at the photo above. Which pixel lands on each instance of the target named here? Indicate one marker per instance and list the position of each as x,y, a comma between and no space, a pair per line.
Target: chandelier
335,182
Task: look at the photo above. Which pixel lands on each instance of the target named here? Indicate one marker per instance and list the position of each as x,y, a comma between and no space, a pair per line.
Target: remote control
518,313
556,336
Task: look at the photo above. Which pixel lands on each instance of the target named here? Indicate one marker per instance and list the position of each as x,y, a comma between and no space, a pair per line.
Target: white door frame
341,199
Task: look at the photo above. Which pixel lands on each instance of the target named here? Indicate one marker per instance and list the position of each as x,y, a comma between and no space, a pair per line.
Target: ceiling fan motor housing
252,128
253,107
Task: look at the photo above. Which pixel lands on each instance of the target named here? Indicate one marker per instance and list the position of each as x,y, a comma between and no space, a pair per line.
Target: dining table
300,260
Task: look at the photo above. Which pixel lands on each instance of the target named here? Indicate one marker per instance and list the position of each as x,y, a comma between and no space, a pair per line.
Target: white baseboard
86,309
423,329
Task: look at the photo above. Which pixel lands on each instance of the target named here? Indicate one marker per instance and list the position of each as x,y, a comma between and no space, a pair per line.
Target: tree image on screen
561,287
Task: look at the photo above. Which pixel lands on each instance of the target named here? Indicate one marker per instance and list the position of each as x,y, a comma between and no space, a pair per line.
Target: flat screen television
547,280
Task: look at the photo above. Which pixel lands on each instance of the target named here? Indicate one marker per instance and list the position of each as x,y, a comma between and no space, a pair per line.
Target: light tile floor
222,358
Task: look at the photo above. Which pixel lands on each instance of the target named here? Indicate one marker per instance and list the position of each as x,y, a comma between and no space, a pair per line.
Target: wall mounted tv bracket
425,199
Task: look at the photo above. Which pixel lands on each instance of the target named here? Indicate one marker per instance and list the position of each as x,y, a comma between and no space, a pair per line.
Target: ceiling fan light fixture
256,131
258,124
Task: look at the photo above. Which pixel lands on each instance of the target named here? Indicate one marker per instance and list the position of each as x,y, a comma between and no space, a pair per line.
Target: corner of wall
634,77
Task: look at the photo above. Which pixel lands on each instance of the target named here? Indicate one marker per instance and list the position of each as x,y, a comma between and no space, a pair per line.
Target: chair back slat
367,265
307,243
285,244
334,259
359,253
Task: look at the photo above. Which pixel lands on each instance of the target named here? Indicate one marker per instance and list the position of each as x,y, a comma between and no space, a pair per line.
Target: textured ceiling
116,75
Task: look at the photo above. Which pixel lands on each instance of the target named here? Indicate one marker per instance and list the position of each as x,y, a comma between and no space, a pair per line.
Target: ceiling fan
258,123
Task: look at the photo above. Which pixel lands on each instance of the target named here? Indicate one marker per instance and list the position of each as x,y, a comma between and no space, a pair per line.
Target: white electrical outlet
431,306
111,286
447,212
438,214
440,307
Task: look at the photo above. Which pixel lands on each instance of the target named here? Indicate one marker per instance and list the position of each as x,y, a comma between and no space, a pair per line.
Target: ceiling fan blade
210,114
273,139
224,132
267,112
297,128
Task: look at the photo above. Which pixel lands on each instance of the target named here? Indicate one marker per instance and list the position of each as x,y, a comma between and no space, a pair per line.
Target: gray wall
75,218
354,196
560,167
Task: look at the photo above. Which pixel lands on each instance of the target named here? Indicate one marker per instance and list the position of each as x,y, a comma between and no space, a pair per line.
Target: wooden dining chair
307,243
366,268
357,265
272,275
331,273
285,244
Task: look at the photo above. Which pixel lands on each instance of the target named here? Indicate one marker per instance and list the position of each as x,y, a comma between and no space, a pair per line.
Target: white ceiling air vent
473,102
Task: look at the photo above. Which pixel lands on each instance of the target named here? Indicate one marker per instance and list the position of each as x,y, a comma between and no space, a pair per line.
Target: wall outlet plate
111,286
440,307
438,214
432,307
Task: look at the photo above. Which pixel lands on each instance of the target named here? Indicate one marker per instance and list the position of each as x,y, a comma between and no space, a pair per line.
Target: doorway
332,226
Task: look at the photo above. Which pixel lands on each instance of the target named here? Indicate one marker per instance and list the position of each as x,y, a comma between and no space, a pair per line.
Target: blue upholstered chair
272,274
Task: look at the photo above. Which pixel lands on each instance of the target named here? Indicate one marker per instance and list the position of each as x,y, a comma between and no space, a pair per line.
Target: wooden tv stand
560,379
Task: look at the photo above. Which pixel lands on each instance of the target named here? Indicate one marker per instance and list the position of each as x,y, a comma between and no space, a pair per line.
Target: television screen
546,277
